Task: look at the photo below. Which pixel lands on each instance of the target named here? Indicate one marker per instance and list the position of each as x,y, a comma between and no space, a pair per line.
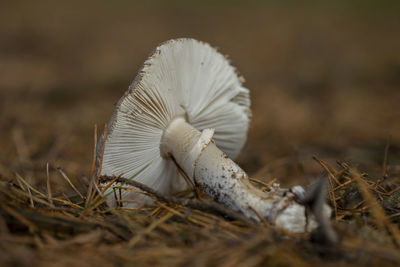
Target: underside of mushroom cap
182,78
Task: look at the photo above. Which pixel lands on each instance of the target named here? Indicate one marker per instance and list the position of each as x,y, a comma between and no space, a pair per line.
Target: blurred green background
324,78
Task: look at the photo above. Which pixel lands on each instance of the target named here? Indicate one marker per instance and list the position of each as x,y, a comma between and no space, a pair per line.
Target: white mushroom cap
182,78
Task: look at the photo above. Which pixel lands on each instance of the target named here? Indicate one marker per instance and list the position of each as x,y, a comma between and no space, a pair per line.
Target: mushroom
187,110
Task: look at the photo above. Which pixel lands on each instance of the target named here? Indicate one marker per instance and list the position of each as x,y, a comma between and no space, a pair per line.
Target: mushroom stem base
227,183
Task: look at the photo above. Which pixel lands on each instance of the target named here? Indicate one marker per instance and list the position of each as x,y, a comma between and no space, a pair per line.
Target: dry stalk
48,183
190,203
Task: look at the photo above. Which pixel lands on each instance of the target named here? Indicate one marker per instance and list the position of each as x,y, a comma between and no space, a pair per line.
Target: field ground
324,81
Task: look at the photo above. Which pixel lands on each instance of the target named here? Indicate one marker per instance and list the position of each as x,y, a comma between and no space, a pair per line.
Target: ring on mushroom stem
188,101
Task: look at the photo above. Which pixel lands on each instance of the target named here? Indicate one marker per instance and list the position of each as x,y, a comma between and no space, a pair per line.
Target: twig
343,185
104,197
20,181
69,182
30,198
102,192
40,195
29,186
190,203
95,176
148,230
332,197
326,167
331,191
264,184
385,158
48,183
95,179
105,132
261,218
94,151
90,187
381,220
185,177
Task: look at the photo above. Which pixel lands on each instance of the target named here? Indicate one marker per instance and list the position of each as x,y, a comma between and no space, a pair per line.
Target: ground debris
172,232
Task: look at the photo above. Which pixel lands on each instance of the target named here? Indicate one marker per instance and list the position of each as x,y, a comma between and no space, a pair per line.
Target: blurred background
324,78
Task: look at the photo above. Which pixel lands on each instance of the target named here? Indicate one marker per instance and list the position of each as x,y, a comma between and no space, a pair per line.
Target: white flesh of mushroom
185,91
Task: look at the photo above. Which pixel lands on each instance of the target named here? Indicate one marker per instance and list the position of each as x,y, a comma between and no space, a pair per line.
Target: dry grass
45,230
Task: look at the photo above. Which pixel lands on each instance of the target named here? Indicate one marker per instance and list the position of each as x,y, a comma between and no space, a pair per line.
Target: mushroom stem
228,184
